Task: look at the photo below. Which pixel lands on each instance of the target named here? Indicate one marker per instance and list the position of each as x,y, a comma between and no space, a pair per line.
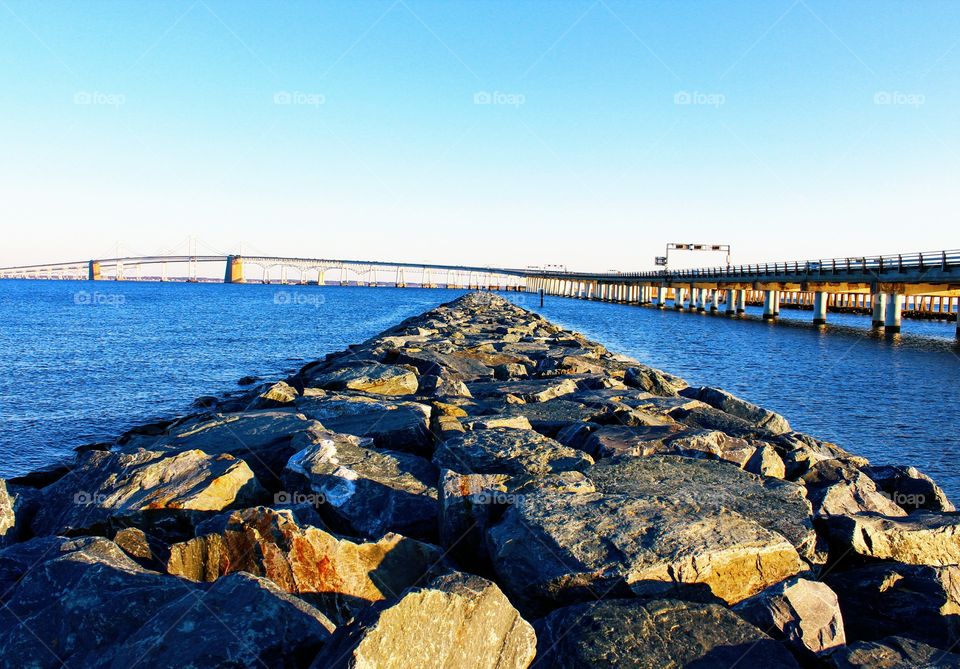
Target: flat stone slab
508,451
779,506
367,492
369,378
553,548
403,426
649,635
106,486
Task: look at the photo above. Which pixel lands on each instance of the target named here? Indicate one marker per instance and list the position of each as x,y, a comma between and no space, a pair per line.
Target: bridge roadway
926,285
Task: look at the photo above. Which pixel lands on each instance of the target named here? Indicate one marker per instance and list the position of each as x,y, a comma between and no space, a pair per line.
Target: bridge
282,270
916,285
926,285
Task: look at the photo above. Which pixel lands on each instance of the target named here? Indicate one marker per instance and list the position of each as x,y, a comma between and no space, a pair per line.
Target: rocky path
477,487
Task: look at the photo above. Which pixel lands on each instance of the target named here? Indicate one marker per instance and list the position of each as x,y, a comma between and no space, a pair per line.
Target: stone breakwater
476,487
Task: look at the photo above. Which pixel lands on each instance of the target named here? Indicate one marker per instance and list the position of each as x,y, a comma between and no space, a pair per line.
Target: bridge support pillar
678,298
93,270
741,301
661,297
820,308
892,318
879,309
769,298
234,270
731,302
715,301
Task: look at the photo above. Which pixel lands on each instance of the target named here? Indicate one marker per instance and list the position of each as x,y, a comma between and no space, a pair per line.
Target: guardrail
904,262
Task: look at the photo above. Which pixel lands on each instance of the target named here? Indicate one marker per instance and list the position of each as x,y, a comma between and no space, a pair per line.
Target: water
79,366
82,362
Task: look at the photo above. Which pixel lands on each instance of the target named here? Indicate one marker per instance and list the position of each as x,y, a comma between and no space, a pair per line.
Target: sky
583,133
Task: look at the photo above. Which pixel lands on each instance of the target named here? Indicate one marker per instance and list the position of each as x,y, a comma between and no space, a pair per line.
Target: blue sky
583,133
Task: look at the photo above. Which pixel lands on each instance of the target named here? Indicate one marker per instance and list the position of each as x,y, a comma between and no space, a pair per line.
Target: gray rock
508,451
554,548
779,506
654,381
84,603
803,613
668,439
456,620
740,408
373,378
106,486
893,653
909,488
835,487
889,598
402,426
923,537
531,390
222,626
265,440
339,576
648,635
367,492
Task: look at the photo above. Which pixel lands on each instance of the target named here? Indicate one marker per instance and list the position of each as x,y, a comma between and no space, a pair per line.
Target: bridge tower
234,270
93,270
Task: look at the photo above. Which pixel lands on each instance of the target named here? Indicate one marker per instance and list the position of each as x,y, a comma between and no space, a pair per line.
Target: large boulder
909,488
888,598
337,575
837,487
668,439
106,486
803,613
636,634
222,626
653,381
530,390
553,548
265,440
370,377
779,506
923,537
84,603
367,492
894,652
456,620
508,451
402,426
721,399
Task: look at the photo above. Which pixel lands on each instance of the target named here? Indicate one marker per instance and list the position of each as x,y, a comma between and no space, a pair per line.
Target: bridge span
915,285
924,285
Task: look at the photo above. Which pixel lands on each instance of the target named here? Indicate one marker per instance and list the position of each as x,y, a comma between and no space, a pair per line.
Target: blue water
78,366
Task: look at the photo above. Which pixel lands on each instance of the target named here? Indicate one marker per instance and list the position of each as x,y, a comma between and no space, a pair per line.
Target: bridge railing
904,262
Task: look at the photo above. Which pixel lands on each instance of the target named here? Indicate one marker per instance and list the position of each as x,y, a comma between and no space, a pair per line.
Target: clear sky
587,133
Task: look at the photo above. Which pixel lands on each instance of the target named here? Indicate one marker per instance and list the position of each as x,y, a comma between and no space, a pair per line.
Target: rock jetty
476,487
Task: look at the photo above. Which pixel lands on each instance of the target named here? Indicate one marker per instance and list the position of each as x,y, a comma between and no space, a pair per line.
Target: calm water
80,366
